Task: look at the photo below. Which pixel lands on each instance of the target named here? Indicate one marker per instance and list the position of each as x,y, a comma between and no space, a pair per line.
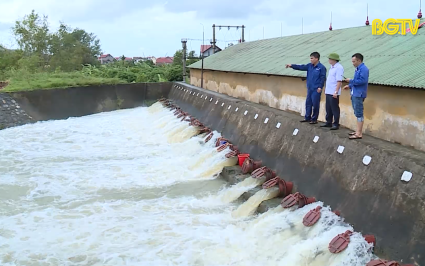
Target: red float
264,171
208,138
297,198
222,147
340,242
312,216
370,239
383,263
231,154
250,165
285,188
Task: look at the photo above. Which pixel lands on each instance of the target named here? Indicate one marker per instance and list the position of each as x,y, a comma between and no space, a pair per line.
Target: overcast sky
155,28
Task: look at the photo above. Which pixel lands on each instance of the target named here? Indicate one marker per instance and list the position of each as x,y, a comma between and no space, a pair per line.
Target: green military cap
334,56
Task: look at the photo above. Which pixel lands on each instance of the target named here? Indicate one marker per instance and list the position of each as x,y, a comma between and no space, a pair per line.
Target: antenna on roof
367,18
330,26
420,10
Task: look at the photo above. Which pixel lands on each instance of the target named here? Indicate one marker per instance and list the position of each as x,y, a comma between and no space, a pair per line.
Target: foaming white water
117,189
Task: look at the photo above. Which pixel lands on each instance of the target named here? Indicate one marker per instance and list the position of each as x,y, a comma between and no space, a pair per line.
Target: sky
155,28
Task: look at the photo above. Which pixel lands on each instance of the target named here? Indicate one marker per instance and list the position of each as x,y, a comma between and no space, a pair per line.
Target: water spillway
132,187
112,189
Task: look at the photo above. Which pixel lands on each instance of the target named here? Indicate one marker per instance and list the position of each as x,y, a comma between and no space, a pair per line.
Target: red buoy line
337,245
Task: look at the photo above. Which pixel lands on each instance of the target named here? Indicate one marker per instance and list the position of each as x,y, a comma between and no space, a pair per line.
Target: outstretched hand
288,65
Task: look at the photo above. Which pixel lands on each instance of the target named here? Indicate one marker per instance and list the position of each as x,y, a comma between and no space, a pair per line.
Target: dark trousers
332,110
312,102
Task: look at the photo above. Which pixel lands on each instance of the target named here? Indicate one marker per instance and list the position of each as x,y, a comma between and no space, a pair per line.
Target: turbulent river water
140,187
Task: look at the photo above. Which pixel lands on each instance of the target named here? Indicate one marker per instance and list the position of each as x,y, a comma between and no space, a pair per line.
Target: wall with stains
79,101
391,113
370,196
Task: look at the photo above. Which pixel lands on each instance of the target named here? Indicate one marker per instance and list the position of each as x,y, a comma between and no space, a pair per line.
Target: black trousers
332,110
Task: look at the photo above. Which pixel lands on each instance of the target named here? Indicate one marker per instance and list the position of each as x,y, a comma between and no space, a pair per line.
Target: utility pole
213,40
202,55
184,41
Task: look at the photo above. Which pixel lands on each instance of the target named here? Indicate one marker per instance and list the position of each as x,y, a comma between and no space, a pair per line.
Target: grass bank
24,81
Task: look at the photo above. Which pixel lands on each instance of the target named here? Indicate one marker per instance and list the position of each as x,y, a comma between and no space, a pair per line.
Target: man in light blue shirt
333,91
358,86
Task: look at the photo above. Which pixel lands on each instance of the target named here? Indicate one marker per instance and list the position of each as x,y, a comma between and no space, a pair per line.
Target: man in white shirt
333,91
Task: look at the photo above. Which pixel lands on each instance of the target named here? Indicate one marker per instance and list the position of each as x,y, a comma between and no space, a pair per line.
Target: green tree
178,58
192,58
174,73
32,34
72,48
8,59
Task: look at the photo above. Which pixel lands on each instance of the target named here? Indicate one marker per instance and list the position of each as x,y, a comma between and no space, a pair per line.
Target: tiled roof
164,60
206,47
392,60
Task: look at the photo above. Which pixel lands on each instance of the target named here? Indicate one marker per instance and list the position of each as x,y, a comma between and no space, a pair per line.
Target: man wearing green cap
333,91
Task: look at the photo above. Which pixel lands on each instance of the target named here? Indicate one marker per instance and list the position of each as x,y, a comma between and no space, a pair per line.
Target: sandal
352,133
354,137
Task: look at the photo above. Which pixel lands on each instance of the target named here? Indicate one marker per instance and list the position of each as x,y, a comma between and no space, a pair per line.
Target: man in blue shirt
358,86
316,75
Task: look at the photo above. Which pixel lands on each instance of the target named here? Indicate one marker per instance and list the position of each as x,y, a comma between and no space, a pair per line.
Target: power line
216,40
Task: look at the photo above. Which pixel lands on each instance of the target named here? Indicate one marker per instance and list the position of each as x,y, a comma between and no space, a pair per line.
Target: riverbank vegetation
68,57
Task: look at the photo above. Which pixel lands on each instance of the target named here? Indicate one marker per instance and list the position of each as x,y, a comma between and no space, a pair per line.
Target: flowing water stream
139,187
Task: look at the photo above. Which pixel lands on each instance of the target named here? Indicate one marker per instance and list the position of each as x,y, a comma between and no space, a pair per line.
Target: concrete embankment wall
74,102
370,197
391,113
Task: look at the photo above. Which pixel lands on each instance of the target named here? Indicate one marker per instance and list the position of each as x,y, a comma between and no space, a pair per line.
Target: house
207,50
105,58
127,59
144,59
164,60
394,108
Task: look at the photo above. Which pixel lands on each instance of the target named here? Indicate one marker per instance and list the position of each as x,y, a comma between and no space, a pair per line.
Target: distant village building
207,50
394,108
106,58
127,59
138,59
164,60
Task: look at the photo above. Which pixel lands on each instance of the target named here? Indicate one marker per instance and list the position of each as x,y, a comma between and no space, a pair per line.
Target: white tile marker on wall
245,113
295,132
340,149
367,159
256,115
406,176
228,108
316,139
278,125
266,120
237,108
